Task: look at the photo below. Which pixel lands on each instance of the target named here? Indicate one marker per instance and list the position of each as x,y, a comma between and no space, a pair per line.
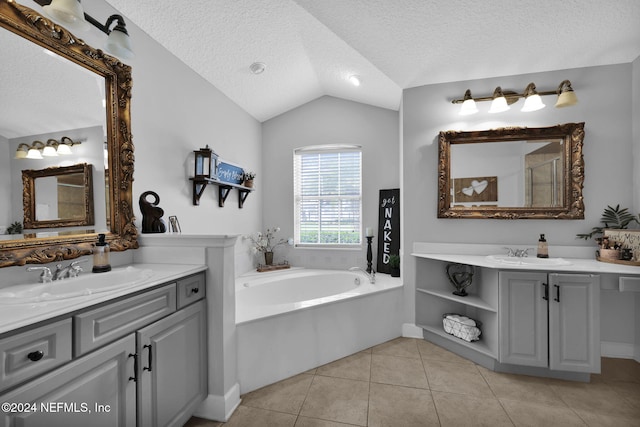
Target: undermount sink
82,285
512,260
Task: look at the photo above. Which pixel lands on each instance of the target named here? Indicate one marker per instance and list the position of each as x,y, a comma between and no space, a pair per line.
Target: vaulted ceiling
311,47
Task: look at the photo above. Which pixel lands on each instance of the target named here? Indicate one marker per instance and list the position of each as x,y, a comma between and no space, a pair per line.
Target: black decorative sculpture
461,277
151,214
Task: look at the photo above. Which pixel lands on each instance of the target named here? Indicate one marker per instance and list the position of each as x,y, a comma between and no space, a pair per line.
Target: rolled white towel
468,322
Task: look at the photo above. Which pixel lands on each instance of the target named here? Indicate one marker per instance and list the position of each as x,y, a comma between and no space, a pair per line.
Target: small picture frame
174,224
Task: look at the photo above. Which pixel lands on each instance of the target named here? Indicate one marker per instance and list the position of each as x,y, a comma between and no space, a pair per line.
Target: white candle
368,232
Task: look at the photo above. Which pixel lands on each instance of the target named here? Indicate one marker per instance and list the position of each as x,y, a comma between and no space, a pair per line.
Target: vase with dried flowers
266,242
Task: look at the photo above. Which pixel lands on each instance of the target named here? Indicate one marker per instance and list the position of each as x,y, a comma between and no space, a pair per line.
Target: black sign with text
388,228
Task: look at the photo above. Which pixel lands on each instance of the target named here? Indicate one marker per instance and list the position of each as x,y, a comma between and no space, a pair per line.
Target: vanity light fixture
532,100
500,100
566,95
64,148
34,151
468,105
21,151
39,150
49,149
71,14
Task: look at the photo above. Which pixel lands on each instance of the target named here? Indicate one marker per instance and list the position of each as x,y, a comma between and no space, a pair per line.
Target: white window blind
328,195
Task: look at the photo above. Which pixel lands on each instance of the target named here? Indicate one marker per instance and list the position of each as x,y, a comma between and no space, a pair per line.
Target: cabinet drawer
190,289
34,352
97,327
629,284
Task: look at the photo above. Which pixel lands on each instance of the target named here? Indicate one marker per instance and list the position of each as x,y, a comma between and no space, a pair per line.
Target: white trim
220,408
311,149
618,350
409,330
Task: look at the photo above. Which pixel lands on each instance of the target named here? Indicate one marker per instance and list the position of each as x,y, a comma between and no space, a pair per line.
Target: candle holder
369,254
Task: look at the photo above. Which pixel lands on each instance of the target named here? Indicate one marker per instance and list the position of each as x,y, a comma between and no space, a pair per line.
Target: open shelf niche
435,298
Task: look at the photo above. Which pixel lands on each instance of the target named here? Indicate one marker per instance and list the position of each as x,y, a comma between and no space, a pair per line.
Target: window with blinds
328,195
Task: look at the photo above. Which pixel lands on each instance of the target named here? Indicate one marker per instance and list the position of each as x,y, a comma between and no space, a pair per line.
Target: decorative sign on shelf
388,228
230,173
627,238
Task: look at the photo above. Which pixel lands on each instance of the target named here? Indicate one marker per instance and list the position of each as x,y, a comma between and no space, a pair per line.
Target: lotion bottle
101,256
543,248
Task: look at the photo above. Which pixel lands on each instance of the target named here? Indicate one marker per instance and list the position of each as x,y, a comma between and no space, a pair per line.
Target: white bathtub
293,320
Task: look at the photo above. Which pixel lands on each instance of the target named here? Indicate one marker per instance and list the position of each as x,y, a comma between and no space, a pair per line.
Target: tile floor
410,382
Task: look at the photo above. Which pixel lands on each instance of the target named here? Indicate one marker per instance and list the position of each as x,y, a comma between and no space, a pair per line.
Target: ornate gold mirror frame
572,207
32,26
79,176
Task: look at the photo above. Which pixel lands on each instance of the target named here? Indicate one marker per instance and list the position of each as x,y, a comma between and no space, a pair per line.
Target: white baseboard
618,350
220,408
409,330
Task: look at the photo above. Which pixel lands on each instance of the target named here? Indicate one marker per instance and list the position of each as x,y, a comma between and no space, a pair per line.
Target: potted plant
613,219
264,242
394,264
248,179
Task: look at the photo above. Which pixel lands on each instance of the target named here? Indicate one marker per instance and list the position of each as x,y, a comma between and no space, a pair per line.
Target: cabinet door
173,367
96,390
574,322
523,318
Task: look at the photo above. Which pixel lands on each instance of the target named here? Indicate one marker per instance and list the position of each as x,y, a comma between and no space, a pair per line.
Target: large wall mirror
55,87
512,173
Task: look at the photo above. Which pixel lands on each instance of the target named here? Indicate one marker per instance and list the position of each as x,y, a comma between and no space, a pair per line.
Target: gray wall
327,120
605,103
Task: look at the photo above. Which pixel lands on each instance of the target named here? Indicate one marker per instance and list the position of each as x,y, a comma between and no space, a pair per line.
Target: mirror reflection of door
60,197
543,176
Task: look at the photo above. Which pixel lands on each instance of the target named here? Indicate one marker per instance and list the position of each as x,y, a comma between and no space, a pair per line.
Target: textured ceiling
310,47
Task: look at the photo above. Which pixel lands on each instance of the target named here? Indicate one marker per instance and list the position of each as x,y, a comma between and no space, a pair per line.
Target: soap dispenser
543,248
101,256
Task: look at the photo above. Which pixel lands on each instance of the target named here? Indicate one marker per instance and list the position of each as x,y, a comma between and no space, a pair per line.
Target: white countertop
14,316
577,265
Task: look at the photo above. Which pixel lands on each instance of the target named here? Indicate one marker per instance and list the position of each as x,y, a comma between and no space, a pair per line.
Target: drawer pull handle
34,356
546,291
195,290
557,298
149,358
134,378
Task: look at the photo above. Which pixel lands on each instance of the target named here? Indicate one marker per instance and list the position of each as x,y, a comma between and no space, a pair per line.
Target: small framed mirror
59,196
512,173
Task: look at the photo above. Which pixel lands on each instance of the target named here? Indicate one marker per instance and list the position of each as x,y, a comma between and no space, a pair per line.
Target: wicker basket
461,327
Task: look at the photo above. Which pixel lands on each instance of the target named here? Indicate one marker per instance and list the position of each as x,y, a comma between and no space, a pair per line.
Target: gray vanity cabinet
173,367
95,390
550,320
138,360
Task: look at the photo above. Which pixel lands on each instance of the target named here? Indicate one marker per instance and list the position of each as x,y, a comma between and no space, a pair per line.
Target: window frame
297,197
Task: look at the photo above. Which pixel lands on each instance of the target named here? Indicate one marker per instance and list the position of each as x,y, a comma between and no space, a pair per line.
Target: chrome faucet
46,276
71,270
371,276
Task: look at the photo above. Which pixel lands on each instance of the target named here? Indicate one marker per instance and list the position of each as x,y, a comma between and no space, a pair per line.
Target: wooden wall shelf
224,188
